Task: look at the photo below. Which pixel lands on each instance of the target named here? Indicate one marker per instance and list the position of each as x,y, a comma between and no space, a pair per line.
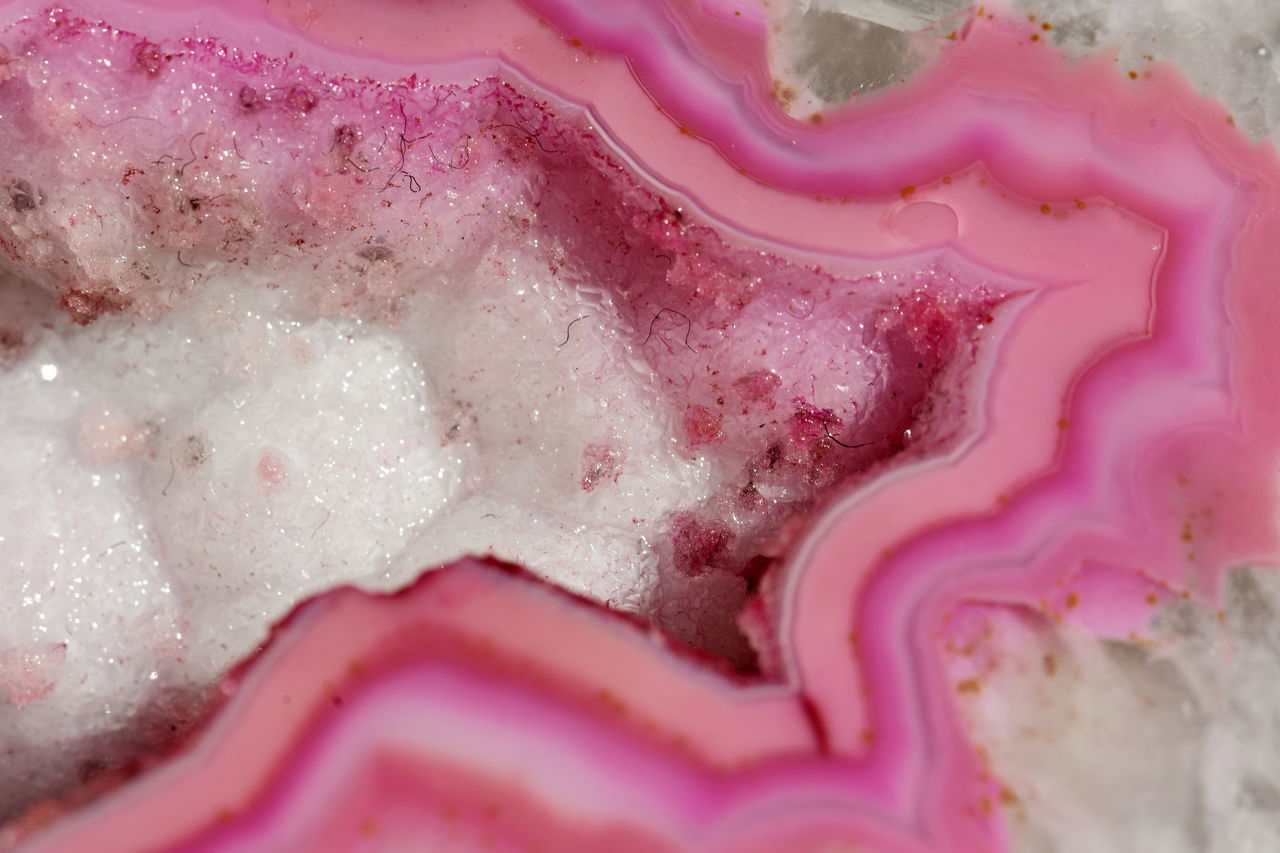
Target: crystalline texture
308,330
868,408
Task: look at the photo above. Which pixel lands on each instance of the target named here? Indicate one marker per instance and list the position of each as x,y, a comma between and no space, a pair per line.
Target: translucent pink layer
1107,441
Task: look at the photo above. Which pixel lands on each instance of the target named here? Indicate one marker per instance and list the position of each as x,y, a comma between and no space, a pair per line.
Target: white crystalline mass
183,483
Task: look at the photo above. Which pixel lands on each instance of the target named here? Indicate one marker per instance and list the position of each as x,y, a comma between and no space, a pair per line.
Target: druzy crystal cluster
551,426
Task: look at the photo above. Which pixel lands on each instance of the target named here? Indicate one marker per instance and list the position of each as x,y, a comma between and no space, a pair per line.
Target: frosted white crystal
1116,747
184,482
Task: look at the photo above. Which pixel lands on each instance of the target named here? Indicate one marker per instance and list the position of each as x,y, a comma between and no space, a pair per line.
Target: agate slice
502,426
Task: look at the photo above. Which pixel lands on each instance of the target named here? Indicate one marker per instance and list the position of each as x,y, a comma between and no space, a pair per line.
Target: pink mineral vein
1123,387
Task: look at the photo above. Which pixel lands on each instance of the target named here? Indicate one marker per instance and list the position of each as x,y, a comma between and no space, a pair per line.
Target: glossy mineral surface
868,427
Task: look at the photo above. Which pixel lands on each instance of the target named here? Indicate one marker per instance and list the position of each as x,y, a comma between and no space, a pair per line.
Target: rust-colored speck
907,192
1079,204
1073,600
1044,208
1063,423
784,95
969,685
613,703
1133,75
1050,665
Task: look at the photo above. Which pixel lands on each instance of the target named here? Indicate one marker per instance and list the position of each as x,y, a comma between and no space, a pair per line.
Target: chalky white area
175,486
1109,746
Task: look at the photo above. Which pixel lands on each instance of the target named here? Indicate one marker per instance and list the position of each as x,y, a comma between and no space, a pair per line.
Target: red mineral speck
149,57
698,545
272,472
22,196
703,426
12,344
248,98
345,138
83,308
28,673
809,423
601,463
758,386
301,100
